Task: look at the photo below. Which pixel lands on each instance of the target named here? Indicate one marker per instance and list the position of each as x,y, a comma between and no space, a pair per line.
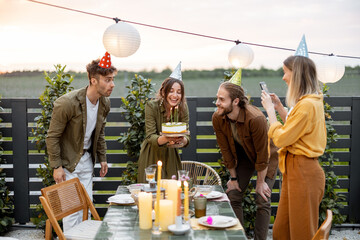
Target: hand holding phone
264,87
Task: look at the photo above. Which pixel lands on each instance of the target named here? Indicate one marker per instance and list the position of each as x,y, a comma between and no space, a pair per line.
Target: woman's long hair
303,79
164,92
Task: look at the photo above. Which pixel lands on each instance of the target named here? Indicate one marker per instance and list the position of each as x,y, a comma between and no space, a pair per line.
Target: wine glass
183,175
150,173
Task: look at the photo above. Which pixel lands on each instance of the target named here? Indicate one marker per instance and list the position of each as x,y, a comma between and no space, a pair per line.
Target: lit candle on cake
145,209
166,214
176,114
171,114
186,201
157,204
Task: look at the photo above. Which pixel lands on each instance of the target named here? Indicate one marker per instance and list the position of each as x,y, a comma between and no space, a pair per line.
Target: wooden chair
324,230
201,173
63,199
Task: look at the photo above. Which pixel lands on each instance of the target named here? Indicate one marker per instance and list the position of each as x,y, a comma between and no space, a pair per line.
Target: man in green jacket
76,139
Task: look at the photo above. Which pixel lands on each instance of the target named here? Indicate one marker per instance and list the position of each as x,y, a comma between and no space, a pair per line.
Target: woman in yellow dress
302,140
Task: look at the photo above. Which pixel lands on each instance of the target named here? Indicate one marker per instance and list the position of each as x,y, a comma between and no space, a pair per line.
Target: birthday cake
173,127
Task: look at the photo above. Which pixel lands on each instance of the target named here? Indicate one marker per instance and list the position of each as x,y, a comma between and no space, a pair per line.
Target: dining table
121,222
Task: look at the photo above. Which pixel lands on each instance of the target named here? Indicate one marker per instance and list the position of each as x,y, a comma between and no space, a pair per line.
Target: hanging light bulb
241,56
329,69
121,39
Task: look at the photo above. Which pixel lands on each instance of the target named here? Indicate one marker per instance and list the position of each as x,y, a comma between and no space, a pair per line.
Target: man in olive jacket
241,133
76,134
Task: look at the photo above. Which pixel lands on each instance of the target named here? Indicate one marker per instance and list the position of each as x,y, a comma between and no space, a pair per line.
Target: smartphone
264,87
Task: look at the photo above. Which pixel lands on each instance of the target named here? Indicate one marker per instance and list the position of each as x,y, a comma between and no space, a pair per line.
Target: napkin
223,198
121,199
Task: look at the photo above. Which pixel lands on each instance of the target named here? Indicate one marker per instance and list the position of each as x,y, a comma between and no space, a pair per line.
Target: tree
58,85
139,93
6,201
331,200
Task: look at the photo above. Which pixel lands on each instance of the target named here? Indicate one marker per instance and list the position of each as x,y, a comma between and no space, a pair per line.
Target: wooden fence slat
355,162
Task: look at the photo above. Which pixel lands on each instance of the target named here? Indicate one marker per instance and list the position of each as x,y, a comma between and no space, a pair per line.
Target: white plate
135,185
218,221
184,228
212,195
121,199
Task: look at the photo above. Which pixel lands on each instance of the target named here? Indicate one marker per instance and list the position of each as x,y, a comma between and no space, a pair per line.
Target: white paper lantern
121,39
241,56
329,69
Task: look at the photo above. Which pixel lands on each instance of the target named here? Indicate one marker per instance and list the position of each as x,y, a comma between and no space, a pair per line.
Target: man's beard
226,110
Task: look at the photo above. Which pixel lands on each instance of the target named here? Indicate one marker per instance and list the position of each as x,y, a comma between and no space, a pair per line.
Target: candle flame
179,183
186,184
159,163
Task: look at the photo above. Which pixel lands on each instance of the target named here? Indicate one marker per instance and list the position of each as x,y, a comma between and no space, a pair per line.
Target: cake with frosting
173,127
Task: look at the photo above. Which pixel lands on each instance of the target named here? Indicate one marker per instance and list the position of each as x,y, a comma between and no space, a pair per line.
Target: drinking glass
205,189
200,206
150,173
183,175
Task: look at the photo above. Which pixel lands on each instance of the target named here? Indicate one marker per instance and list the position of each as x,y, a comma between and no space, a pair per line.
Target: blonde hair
303,79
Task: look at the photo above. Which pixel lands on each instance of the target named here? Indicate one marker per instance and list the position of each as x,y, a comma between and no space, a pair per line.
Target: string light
185,32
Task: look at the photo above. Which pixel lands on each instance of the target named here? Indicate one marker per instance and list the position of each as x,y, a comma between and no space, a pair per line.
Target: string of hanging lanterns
122,40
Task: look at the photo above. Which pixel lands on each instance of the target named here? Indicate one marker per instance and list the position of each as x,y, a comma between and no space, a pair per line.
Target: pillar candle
145,209
186,201
166,214
178,209
164,183
157,204
173,194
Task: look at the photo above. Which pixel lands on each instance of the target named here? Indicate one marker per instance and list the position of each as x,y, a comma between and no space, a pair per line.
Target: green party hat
236,78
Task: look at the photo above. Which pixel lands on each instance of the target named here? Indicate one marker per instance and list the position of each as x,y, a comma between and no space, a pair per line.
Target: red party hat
105,61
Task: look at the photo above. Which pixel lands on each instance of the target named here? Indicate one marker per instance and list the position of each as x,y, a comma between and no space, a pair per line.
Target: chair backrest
324,230
63,199
201,173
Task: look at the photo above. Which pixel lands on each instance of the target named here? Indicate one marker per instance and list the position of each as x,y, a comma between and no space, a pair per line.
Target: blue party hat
302,48
177,72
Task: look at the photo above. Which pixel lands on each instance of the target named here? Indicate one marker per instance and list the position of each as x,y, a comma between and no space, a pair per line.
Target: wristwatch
233,178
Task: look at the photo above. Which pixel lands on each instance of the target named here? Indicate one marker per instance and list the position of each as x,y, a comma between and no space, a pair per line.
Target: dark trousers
245,170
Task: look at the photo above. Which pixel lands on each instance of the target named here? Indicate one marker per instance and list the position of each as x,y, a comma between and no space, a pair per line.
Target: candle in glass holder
166,214
186,201
157,204
145,209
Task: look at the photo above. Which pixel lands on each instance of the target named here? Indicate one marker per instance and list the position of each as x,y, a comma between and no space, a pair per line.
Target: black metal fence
23,159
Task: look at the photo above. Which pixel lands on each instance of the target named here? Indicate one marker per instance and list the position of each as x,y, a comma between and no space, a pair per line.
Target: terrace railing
23,159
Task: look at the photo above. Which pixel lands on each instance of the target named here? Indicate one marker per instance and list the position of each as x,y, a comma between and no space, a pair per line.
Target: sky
36,37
